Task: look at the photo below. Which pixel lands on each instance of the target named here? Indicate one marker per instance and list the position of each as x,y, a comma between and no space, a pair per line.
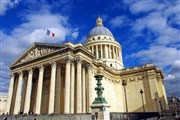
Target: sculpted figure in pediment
37,52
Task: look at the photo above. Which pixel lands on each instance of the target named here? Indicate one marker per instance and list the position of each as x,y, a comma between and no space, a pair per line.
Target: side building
59,78
3,101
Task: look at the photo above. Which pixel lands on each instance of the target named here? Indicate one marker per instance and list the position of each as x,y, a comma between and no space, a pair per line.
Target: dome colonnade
103,45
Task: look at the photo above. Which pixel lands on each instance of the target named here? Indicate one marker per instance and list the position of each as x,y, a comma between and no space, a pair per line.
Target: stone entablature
100,38
146,67
60,53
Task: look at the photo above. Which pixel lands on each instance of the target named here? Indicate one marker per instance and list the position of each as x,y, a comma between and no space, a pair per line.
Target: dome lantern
99,22
99,29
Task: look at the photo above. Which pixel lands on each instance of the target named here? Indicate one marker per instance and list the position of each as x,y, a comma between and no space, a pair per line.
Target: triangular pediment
37,50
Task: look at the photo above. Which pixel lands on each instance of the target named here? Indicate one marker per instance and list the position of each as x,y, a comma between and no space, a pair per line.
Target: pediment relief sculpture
37,52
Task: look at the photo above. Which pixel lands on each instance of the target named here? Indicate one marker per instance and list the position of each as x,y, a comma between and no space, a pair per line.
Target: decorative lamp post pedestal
100,106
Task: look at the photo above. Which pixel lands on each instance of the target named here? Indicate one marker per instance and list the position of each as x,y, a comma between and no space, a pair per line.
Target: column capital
89,66
11,74
41,67
53,63
68,59
20,72
78,59
30,70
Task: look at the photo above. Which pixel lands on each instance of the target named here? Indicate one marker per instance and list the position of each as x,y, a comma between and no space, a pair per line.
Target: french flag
50,33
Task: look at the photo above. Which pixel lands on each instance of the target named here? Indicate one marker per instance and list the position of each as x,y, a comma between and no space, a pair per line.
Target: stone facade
59,78
3,101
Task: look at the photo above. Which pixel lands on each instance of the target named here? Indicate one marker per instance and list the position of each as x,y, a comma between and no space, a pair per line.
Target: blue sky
148,30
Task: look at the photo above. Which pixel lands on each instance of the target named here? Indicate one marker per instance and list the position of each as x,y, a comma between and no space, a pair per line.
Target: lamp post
141,91
156,105
124,84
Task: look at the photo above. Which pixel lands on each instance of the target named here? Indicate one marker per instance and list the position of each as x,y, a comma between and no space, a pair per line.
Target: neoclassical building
59,78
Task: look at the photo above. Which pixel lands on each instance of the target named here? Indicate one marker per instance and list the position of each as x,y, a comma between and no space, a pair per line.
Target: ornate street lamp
124,84
156,104
141,91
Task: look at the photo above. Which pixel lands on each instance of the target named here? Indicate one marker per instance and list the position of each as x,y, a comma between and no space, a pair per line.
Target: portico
49,87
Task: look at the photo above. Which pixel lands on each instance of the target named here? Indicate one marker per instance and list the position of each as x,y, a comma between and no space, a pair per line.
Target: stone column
58,90
18,94
92,49
10,93
25,79
114,54
96,51
101,51
78,91
120,55
108,48
67,86
106,51
72,88
110,55
84,90
39,90
28,91
52,88
117,53
90,87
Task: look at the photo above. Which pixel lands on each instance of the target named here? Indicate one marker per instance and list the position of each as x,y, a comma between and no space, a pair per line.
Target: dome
100,29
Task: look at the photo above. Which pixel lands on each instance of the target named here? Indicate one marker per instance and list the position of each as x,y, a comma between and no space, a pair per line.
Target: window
104,37
5,101
111,65
0,100
99,38
93,39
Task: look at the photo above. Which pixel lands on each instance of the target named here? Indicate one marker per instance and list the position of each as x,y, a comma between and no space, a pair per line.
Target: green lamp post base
99,99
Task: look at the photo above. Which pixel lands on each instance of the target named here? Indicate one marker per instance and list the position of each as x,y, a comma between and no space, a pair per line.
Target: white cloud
173,79
7,4
158,24
160,18
119,21
145,6
160,55
172,12
175,69
75,33
33,29
170,77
